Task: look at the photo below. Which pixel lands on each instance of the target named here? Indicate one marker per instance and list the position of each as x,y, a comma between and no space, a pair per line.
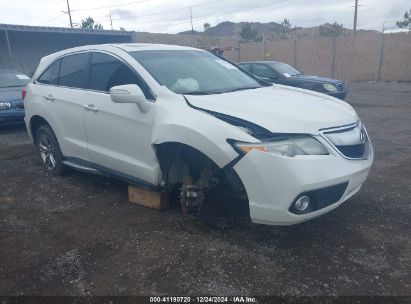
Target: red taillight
23,93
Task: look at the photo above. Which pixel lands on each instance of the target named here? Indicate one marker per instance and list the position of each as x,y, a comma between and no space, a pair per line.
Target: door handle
90,107
49,98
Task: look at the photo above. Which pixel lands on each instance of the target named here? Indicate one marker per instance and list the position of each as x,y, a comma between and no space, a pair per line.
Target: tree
282,30
331,30
285,28
207,41
206,26
90,24
122,29
406,22
248,34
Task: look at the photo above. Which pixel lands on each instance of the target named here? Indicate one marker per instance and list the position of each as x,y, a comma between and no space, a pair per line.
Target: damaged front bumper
273,183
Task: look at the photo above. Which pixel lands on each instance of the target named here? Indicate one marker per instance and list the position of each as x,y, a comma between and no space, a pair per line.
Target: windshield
285,69
194,72
13,79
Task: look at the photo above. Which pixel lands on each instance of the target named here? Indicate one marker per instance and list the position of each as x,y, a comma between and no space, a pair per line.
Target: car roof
128,47
132,47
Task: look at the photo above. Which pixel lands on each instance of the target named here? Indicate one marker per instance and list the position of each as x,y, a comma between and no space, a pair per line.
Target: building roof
61,30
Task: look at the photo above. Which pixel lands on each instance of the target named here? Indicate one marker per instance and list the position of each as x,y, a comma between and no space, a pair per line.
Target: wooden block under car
147,198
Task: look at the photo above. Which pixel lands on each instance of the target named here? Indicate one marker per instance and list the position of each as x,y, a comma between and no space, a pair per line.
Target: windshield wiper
222,92
241,89
198,93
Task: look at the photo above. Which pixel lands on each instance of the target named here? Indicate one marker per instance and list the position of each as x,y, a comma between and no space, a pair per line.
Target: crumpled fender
199,130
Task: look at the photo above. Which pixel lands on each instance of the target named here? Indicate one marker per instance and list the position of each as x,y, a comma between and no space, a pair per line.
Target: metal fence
367,56
353,58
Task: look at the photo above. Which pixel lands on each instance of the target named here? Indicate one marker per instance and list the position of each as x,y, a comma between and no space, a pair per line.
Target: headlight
290,147
5,105
330,87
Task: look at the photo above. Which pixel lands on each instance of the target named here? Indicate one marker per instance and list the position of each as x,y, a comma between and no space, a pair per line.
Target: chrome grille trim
348,128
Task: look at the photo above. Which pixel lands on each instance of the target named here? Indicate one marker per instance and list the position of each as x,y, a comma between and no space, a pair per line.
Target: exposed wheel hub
192,197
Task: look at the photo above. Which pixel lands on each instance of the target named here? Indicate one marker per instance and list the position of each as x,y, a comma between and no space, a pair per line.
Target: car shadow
12,127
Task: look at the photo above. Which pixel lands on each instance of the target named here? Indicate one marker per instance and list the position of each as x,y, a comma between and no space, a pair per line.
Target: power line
50,6
223,13
169,11
45,8
52,19
110,6
198,5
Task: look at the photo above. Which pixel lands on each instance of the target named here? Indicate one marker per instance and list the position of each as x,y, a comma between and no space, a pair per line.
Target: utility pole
192,27
355,16
191,18
111,21
69,13
380,55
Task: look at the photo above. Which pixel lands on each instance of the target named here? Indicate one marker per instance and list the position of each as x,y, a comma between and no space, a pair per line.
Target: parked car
171,117
12,85
282,73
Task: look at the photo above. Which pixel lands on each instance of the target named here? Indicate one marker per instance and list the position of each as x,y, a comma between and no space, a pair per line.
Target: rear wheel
49,150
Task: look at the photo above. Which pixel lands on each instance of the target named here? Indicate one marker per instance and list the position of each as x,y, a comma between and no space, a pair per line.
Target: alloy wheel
47,152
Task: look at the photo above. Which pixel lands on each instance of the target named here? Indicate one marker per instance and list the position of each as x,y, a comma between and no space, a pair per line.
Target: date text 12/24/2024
203,299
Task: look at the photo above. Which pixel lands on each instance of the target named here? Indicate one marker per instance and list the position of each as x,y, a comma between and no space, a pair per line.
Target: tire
49,151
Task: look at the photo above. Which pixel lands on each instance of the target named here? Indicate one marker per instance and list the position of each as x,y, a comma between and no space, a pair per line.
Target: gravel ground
78,235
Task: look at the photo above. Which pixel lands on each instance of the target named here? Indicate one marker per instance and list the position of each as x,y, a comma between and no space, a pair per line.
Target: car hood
312,78
280,109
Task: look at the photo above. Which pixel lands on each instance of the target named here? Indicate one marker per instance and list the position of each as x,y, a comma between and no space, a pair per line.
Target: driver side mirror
130,93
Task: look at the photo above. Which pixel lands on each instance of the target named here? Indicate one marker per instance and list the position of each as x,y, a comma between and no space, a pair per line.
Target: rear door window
73,71
107,71
263,71
50,76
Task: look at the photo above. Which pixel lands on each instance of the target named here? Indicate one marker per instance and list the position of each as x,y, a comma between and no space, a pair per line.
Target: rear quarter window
50,75
73,71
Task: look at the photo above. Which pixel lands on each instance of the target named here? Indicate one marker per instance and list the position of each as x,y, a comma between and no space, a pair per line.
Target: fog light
302,203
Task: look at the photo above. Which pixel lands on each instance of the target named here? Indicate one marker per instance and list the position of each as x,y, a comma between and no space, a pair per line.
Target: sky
173,16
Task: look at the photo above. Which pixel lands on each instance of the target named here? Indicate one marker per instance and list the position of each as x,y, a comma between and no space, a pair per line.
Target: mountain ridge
269,30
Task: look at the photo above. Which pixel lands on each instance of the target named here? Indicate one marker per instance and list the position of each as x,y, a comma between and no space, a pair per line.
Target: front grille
321,198
353,151
350,141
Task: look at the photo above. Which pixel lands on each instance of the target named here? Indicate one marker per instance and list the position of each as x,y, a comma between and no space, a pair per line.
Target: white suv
164,117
